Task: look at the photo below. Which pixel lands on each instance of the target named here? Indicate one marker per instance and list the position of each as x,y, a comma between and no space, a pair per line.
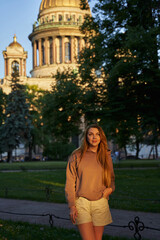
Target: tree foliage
35,97
2,109
2,105
62,110
125,47
17,124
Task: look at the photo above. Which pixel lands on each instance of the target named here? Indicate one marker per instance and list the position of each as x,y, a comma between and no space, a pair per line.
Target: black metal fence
135,225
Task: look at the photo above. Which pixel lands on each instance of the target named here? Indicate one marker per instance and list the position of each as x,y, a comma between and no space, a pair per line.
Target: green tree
125,45
17,124
2,105
35,98
2,109
62,110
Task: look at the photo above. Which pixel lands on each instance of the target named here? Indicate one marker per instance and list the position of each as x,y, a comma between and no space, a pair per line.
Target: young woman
89,182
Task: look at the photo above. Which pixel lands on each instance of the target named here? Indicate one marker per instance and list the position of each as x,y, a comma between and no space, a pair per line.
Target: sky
17,17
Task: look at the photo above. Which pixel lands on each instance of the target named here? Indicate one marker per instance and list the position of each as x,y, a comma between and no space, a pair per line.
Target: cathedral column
80,44
63,50
21,67
72,49
5,67
24,67
40,51
9,67
34,54
54,50
46,51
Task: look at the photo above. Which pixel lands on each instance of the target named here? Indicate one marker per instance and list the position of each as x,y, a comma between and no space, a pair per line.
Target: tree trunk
156,149
137,149
125,151
155,137
9,159
30,151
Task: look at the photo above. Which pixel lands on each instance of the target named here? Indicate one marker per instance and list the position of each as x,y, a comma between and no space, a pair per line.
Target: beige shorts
96,212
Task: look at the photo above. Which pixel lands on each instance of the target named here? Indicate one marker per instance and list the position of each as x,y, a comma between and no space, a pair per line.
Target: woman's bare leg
98,232
87,231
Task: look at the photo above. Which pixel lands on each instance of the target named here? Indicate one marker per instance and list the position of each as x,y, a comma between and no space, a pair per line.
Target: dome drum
51,24
56,37
60,17
54,52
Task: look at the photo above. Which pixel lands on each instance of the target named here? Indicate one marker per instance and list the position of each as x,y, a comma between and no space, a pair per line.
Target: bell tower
14,55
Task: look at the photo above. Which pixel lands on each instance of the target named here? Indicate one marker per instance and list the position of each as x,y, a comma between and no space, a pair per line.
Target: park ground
39,187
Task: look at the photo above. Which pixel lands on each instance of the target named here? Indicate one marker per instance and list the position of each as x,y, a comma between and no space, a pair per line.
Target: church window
67,52
60,18
51,50
67,18
37,54
15,65
80,18
53,18
6,67
43,52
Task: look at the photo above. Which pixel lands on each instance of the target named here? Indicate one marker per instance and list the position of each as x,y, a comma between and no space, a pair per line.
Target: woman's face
93,137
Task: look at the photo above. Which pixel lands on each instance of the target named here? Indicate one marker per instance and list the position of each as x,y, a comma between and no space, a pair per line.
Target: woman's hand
73,214
107,192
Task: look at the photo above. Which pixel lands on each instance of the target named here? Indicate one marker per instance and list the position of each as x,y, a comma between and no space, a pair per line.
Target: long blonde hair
102,155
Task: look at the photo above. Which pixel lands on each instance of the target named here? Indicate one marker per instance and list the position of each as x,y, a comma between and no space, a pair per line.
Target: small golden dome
15,43
45,4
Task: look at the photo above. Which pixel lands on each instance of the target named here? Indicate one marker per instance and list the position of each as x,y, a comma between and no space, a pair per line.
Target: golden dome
15,43
45,4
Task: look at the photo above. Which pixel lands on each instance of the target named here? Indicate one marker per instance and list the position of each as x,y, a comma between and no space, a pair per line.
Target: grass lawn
50,165
33,165
26,231
34,185
135,189
143,163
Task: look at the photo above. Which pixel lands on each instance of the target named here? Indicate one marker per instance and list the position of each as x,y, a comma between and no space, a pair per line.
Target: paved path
55,169
120,217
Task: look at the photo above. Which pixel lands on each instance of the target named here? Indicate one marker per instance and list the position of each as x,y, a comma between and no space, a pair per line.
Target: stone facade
56,42
14,55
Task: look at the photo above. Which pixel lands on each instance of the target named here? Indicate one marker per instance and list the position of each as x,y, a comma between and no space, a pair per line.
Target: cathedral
56,41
